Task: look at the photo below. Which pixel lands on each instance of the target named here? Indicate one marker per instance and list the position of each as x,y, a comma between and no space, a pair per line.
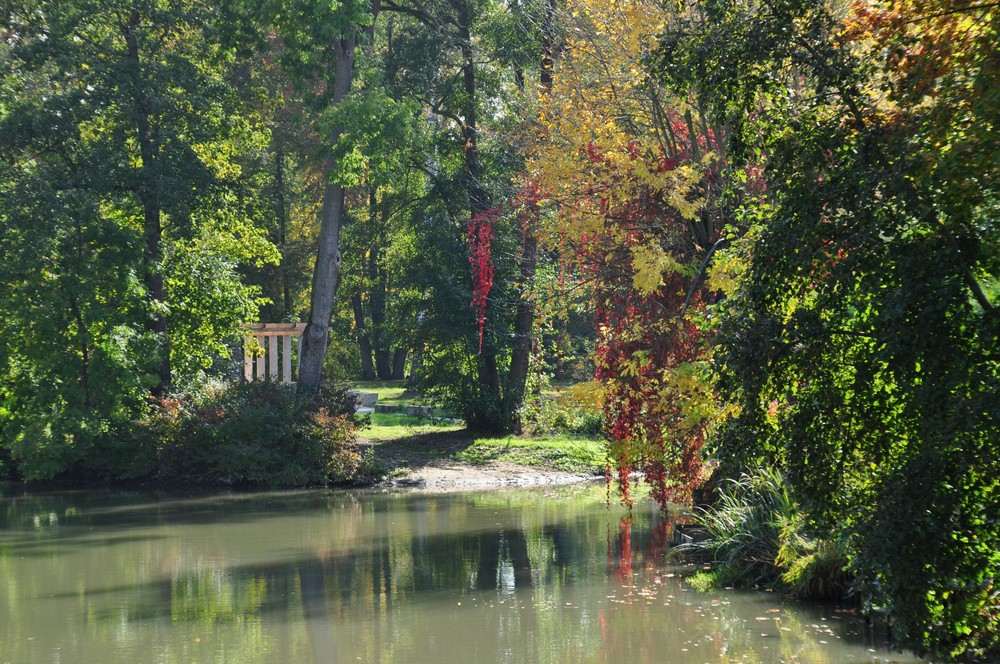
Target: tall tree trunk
383,363
399,364
149,195
525,319
326,274
364,343
523,327
380,340
489,376
282,211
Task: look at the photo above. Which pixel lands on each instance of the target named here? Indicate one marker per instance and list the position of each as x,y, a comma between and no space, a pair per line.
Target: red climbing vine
480,237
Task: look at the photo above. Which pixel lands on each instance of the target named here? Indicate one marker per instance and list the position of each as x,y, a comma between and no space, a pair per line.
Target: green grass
412,445
390,392
570,453
388,426
395,393
401,440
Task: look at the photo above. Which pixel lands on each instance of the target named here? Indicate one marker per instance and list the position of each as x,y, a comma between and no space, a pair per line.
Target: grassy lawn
582,454
392,392
395,393
390,426
401,441
402,447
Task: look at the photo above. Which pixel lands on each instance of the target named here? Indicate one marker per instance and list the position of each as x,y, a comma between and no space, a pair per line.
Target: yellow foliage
601,136
650,262
587,396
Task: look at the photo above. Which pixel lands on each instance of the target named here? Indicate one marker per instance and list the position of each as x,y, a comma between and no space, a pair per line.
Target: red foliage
646,434
480,236
622,563
640,337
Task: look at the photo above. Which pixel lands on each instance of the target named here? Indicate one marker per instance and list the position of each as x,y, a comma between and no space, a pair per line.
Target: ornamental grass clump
757,537
744,528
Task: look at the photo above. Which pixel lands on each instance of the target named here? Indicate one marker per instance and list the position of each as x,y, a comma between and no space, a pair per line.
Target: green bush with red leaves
255,434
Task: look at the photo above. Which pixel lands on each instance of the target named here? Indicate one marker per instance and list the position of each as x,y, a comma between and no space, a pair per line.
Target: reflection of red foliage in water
657,542
623,569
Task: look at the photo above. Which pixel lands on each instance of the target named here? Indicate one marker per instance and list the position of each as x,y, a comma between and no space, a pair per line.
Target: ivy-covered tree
861,346
634,179
468,63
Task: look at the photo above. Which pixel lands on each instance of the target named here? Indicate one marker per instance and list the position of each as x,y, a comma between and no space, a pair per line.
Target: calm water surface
550,575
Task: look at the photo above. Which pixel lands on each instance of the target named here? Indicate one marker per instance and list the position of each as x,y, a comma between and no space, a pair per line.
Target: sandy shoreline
456,476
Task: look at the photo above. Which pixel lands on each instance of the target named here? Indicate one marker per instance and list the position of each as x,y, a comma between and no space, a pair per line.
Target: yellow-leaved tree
632,178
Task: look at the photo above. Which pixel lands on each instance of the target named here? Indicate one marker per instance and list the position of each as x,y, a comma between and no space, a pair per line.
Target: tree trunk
149,195
525,319
364,343
489,377
282,212
383,363
523,327
380,340
326,274
399,364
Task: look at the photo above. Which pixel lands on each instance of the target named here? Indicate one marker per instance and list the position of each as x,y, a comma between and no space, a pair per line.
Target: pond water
546,575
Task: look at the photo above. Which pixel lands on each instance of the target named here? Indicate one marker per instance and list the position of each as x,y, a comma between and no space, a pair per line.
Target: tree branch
956,10
701,273
968,276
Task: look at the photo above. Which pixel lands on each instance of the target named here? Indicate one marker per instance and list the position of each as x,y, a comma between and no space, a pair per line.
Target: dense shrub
8,469
253,434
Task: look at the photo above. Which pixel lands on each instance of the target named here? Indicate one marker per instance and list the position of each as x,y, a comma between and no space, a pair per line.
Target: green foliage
745,527
372,131
451,367
931,549
258,434
209,303
811,567
119,158
758,537
860,347
576,410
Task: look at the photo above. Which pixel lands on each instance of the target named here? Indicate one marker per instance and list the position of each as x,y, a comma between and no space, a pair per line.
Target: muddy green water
547,575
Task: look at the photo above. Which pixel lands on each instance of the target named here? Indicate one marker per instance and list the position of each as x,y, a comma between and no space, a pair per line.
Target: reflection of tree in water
620,563
656,536
503,562
335,577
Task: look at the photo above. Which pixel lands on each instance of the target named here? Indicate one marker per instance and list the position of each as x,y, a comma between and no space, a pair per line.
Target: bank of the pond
459,476
453,459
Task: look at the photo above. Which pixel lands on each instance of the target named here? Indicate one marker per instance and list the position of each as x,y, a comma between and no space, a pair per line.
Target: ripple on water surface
544,575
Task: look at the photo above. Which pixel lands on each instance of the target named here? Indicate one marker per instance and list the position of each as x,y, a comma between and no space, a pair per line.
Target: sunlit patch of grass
392,392
390,426
568,453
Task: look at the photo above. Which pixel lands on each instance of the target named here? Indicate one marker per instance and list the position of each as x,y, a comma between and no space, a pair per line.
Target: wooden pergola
274,363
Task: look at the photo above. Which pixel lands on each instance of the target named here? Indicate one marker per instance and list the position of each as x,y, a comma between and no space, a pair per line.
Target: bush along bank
259,434
759,538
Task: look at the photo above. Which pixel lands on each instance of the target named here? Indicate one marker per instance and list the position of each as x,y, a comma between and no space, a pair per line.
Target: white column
272,358
286,359
247,362
260,359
